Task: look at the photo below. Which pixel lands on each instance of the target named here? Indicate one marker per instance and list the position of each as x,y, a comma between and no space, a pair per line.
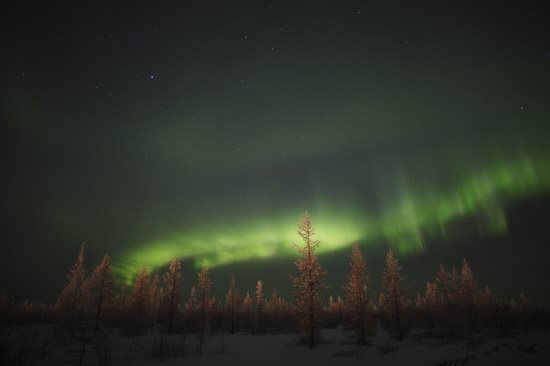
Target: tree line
452,306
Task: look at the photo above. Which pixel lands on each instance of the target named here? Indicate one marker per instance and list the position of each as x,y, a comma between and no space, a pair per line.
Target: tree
357,295
204,286
70,297
274,307
154,297
232,302
260,300
171,295
468,293
140,300
248,311
98,289
392,292
192,303
308,283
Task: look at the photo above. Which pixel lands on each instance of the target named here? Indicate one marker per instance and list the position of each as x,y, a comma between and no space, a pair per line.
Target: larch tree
248,311
171,295
444,288
192,304
140,301
204,286
308,283
232,304
469,293
71,296
259,308
98,289
392,292
154,297
357,295
274,304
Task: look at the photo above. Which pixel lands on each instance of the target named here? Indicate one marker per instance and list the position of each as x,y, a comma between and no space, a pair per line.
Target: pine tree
71,296
98,289
232,302
357,295
392,292
171,296
308,283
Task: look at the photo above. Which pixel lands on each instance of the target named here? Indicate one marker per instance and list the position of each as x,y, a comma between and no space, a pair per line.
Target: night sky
203,129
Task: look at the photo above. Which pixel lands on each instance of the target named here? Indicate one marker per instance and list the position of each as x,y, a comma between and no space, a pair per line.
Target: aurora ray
403,225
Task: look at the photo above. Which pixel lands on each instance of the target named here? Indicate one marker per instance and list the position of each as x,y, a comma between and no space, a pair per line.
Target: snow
337,348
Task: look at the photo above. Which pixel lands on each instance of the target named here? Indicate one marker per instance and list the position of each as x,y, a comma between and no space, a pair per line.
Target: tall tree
469,293
232,302
171,295
154,297
357,295
392,292
248,312
70,297
260,300
308,283
204,286
98,289
140,300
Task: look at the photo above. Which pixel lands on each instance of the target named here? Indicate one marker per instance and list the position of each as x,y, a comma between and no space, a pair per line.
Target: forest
92,314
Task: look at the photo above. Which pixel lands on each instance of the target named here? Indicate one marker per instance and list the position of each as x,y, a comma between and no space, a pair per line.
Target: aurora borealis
203,130
403,226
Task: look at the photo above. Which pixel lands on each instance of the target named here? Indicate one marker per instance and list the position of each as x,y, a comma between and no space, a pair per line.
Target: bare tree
70,297
308,283
392,292
469,293
154,297
204,286
260,301
356,294
140,301
232,304
171,295
98,289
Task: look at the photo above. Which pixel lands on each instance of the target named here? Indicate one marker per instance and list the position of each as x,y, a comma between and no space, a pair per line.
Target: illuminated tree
260,300
140,300
274,306
192,304
98,289
356,294
232,304
392,292
70,297
204,286
308,283
443,282
469,293
171,295
154,297
248,311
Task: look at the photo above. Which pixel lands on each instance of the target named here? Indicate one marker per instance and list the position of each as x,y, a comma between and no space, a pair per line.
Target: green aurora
404,225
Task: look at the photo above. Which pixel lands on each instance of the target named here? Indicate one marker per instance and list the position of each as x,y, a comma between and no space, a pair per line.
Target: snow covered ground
282,349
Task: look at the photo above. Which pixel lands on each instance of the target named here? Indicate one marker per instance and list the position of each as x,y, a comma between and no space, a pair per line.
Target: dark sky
203,129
